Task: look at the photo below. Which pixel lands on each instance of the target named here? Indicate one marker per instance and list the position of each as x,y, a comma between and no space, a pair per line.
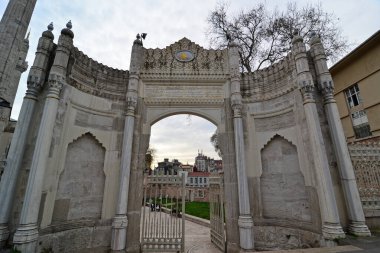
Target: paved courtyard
197,240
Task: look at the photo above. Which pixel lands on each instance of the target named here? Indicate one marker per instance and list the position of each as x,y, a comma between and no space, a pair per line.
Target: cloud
181,137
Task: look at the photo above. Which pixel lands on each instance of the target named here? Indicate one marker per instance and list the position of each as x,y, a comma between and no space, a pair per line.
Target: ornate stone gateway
162,221
218,236
77,111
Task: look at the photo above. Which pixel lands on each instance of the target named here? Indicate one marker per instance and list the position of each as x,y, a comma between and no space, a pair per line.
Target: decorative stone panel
283,189
81,184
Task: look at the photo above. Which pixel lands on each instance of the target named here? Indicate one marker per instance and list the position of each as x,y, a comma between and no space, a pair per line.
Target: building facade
356,78
167,167
204,163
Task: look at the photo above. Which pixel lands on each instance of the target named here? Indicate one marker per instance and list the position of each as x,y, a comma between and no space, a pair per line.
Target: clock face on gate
184,55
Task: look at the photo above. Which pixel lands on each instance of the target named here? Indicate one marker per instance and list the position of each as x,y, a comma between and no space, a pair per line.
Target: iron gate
217,212
163,225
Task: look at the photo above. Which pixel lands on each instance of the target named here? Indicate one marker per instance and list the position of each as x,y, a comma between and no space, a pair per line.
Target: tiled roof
199,174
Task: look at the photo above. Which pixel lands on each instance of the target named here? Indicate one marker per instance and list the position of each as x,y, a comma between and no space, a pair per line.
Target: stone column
245,221
26,235
331,228
347,176
16,150
120,221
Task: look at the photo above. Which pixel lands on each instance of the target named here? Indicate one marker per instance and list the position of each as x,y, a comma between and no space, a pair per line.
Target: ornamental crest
184,55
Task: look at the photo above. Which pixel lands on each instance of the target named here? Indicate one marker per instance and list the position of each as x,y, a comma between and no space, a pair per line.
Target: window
196,180
353,95
362,130
191,180
360,124
200,180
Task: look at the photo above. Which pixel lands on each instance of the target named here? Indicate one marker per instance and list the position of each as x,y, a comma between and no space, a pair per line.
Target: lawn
198,209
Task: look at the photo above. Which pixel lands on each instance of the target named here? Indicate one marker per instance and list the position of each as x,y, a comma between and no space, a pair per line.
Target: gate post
120,221
245,221
347,176
331,228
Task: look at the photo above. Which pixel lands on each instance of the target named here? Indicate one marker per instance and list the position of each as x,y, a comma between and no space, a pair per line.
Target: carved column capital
307,89
131,106
237,108
327,88
55,85
22,65
34,85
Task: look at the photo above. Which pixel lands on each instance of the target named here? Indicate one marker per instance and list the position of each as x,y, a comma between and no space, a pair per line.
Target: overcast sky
105,30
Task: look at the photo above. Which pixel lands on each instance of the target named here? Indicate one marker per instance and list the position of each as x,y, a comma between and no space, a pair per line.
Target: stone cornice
163,101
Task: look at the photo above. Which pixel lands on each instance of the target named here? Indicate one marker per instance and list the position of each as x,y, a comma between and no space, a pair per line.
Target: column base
332,231
4,235
329,243
119,232
359,228
25,238
245,223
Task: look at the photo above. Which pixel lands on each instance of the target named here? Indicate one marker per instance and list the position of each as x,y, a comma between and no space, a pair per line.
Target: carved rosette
55,85
34,85
131,106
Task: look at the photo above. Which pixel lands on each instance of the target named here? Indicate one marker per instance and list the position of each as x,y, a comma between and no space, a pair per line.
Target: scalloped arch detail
87,133
277,135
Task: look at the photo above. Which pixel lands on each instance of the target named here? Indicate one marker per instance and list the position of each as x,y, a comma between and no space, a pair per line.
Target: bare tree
215,142
149,157
264,36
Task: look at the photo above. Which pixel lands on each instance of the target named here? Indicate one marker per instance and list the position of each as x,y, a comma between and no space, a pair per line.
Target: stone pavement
197,240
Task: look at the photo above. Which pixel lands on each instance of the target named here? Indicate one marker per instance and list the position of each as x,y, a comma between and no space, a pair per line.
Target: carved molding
273,113
184,101
92,77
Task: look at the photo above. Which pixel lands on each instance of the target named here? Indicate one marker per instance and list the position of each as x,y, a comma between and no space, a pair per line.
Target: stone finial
69,25
296,37
50,26
138,40
48,33
314,38
67,31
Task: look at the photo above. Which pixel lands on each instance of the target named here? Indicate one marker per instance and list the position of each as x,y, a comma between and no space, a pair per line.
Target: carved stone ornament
185,60
34,84
327,87
55,85
131,105
237,107
184,55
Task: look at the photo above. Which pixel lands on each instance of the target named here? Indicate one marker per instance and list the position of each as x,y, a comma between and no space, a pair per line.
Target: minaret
13,50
